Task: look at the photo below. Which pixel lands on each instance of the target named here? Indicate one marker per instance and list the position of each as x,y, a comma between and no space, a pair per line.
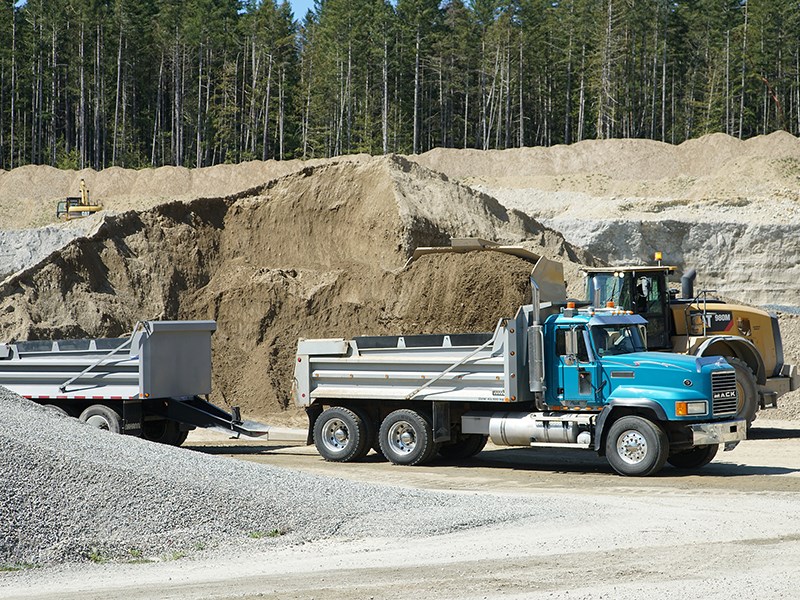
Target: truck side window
583,353
561,344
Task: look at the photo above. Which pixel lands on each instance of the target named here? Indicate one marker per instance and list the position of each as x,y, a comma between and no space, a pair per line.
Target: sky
301,7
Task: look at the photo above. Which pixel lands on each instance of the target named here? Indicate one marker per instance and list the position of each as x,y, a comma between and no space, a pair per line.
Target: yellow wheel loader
76,207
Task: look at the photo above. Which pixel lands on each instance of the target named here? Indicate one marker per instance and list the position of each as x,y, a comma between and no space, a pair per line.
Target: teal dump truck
551,376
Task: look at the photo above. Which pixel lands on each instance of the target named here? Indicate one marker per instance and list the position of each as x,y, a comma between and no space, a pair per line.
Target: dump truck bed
161,359
487,367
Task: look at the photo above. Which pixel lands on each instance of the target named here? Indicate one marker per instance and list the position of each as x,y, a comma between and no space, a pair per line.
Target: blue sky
301,7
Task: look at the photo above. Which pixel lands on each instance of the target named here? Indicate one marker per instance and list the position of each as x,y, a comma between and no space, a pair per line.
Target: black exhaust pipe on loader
687,284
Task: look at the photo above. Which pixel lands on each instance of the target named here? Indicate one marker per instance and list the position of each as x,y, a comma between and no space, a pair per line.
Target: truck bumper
729,433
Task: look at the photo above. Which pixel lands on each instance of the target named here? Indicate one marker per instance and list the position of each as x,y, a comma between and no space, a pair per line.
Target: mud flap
441,422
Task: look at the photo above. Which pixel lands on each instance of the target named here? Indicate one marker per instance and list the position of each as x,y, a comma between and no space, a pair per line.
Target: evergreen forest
138,83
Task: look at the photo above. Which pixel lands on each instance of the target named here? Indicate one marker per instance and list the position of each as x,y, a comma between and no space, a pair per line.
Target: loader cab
642,290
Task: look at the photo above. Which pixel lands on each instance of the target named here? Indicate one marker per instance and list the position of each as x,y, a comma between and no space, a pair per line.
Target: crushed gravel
69,492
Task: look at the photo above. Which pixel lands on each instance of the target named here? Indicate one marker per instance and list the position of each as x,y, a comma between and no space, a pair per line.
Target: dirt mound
715,165
728,207
28,195
317,253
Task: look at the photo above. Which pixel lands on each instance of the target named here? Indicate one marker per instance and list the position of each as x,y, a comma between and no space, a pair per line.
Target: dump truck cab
601,360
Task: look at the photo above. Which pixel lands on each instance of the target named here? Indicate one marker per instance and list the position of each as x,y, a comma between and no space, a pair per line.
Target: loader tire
469,445
406,438
746,390
102,417
339,435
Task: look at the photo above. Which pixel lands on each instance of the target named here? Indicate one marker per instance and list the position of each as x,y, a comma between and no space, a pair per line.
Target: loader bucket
549,274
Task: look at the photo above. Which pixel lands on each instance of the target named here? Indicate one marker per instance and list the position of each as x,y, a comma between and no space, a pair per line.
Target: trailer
551,376
150,384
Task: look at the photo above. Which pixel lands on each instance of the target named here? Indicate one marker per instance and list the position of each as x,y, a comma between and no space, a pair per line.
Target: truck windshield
617,339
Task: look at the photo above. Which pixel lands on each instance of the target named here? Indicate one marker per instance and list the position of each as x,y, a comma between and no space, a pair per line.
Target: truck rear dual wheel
102,417
406,438
636,447
341,435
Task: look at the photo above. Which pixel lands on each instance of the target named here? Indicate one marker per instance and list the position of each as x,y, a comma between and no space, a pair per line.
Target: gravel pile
69,492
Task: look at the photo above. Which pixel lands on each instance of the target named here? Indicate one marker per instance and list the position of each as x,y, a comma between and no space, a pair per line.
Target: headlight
685,409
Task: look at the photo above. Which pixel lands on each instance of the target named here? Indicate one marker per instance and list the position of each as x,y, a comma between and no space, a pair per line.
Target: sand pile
727,207
316,253
80,493
28,195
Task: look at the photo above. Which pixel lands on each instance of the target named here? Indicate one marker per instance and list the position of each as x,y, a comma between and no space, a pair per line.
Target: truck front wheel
636,447
406,438
339,435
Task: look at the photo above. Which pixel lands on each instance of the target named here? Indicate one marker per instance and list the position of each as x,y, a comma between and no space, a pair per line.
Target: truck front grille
723,392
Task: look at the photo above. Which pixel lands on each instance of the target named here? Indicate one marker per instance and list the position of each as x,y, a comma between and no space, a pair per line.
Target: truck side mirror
643,333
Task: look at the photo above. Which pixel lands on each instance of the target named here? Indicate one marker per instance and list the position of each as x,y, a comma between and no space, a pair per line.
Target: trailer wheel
694,458
164,432
56,409
636,447
339,435
469,445
102,417
746,390
406,438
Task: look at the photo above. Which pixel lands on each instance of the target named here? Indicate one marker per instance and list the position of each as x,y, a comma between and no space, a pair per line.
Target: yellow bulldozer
700,324
76,207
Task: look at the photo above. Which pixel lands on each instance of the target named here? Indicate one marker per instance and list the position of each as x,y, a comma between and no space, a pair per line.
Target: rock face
727,207
22,248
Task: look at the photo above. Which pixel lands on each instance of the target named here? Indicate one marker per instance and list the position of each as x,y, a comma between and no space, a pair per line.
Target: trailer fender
625,406
735,347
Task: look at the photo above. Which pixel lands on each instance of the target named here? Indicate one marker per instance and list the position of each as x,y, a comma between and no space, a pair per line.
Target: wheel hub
632,447
98,421
336,434
402,437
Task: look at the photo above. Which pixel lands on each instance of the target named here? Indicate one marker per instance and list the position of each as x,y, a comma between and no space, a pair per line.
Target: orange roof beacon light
658,257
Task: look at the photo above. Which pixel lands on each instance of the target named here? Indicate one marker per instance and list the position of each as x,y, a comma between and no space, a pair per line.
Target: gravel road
727,531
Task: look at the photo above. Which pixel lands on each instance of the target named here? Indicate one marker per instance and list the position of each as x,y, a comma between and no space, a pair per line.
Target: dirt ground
726,531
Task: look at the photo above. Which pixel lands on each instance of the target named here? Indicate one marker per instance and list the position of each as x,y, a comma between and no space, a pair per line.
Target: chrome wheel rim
335,435
632,447
402,437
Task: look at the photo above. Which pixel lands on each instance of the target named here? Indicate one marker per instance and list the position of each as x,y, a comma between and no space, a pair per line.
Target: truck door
577,373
